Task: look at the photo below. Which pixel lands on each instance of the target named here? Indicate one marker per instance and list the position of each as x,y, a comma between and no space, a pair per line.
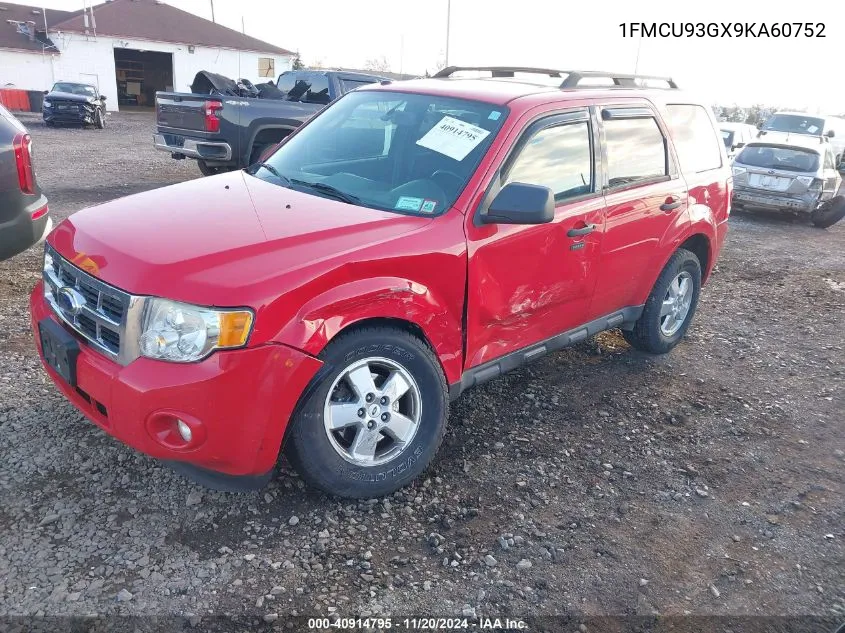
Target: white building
129,49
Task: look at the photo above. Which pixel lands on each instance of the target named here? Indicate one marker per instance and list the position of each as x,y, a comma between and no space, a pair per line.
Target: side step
495,368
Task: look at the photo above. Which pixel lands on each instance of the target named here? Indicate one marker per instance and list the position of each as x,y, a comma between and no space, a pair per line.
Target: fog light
184,430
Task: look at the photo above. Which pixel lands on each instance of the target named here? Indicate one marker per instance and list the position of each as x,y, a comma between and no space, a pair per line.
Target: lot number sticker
453,138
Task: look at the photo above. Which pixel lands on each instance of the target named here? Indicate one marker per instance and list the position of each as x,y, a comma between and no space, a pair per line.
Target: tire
99,119
49,123
257,150
652,332
829,213
211,170
333,460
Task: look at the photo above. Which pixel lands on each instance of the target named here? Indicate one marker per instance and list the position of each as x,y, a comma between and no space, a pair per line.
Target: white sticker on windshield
812,129
453,138
406,203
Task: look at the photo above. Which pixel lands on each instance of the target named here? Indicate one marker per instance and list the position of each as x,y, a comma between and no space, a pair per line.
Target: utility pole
637,62
448,24
212,11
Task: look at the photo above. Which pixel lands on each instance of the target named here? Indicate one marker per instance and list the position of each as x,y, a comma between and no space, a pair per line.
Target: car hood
220,240
69,96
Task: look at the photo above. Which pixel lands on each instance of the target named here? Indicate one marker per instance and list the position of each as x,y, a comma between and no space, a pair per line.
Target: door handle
584,230
671,203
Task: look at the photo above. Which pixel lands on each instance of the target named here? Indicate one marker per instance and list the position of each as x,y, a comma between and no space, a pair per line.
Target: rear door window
695,138
636,151
348,85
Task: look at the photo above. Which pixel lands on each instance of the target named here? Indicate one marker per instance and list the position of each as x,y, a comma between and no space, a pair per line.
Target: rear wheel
374,419
829,213
670,307
211,170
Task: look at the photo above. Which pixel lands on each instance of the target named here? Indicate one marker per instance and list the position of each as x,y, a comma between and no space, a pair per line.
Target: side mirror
739,145
519,203
830,134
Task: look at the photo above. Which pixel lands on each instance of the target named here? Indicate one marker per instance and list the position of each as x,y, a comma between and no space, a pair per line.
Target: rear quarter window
695,138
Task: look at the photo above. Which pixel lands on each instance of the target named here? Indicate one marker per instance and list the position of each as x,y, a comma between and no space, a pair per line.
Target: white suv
814,125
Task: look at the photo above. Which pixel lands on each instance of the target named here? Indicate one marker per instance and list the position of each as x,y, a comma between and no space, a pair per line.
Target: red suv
411,241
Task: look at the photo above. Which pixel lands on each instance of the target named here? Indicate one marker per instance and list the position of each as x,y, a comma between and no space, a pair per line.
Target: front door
529,283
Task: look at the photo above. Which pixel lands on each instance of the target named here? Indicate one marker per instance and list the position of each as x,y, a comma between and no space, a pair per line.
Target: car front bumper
748,198
237,402
71,115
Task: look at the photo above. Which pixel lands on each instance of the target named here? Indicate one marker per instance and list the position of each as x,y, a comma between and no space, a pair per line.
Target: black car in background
73,103
24,218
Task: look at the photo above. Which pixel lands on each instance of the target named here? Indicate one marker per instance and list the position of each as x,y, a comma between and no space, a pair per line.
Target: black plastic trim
220,481
495,368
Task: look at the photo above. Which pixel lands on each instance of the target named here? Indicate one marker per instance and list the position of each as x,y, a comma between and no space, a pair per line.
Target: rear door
646,201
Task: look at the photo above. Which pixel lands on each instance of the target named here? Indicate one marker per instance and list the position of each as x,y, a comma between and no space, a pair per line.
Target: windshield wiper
272,170
332,191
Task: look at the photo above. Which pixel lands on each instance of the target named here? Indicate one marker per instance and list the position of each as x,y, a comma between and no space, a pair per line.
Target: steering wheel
447,180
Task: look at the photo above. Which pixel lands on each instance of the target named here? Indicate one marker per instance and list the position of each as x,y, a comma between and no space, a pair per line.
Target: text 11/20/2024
416,624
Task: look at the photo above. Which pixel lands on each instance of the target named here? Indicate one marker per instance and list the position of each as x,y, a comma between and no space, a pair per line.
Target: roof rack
573,77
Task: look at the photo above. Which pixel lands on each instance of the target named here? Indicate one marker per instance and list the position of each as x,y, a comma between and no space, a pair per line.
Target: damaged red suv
411,241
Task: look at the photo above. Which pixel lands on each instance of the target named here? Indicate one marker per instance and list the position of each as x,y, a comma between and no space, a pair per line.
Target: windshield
772,157
794,123
75,89
727,137
407,153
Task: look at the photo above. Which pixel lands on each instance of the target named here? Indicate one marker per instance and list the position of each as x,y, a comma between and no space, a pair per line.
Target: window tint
305,87
695,139
559,158
347,85
636,150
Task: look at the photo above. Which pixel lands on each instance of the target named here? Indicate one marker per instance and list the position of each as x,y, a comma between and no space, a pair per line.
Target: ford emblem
70,300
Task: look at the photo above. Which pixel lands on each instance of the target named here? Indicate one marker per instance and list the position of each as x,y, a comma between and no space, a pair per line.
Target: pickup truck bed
224,132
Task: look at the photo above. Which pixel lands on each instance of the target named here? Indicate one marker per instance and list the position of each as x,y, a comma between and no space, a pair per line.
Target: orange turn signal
234,328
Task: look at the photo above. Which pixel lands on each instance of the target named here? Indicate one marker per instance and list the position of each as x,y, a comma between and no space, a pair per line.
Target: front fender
326,315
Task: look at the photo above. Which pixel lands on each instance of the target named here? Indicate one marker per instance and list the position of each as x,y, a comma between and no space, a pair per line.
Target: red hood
215,241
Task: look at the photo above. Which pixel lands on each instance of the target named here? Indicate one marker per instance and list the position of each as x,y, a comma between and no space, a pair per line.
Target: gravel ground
596,481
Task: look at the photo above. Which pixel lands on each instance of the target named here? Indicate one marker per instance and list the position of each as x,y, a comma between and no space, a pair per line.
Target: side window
829,160
695,137
559,158
348,85
636,151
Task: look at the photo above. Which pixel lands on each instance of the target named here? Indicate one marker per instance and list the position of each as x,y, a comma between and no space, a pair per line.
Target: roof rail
573,77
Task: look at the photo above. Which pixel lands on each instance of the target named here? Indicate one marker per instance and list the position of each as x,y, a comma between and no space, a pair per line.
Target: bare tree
318,63
377,64
296,63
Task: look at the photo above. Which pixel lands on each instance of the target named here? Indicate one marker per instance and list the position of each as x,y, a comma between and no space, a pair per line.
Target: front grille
102,314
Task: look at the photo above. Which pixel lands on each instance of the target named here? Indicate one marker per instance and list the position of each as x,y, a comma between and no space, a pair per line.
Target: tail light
23,160
40,213
212,121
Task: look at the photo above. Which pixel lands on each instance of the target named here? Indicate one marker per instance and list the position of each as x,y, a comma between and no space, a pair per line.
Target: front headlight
47,104
183,333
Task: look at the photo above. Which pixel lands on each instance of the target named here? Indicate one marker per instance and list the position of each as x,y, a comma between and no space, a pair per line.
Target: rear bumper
238,402
215,151
21,232
747,198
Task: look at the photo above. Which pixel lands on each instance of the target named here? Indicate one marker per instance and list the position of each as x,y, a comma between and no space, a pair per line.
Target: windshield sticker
453,138
494,115
406,203
428,206
812,129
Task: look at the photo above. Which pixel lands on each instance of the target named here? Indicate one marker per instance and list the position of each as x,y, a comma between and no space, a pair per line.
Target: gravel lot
597,481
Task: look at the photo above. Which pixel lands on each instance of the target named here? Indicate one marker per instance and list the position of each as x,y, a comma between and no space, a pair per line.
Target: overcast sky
411,34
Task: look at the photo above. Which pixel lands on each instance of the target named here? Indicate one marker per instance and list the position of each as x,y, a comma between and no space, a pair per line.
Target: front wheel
374,418
670,307
99,119
829,213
